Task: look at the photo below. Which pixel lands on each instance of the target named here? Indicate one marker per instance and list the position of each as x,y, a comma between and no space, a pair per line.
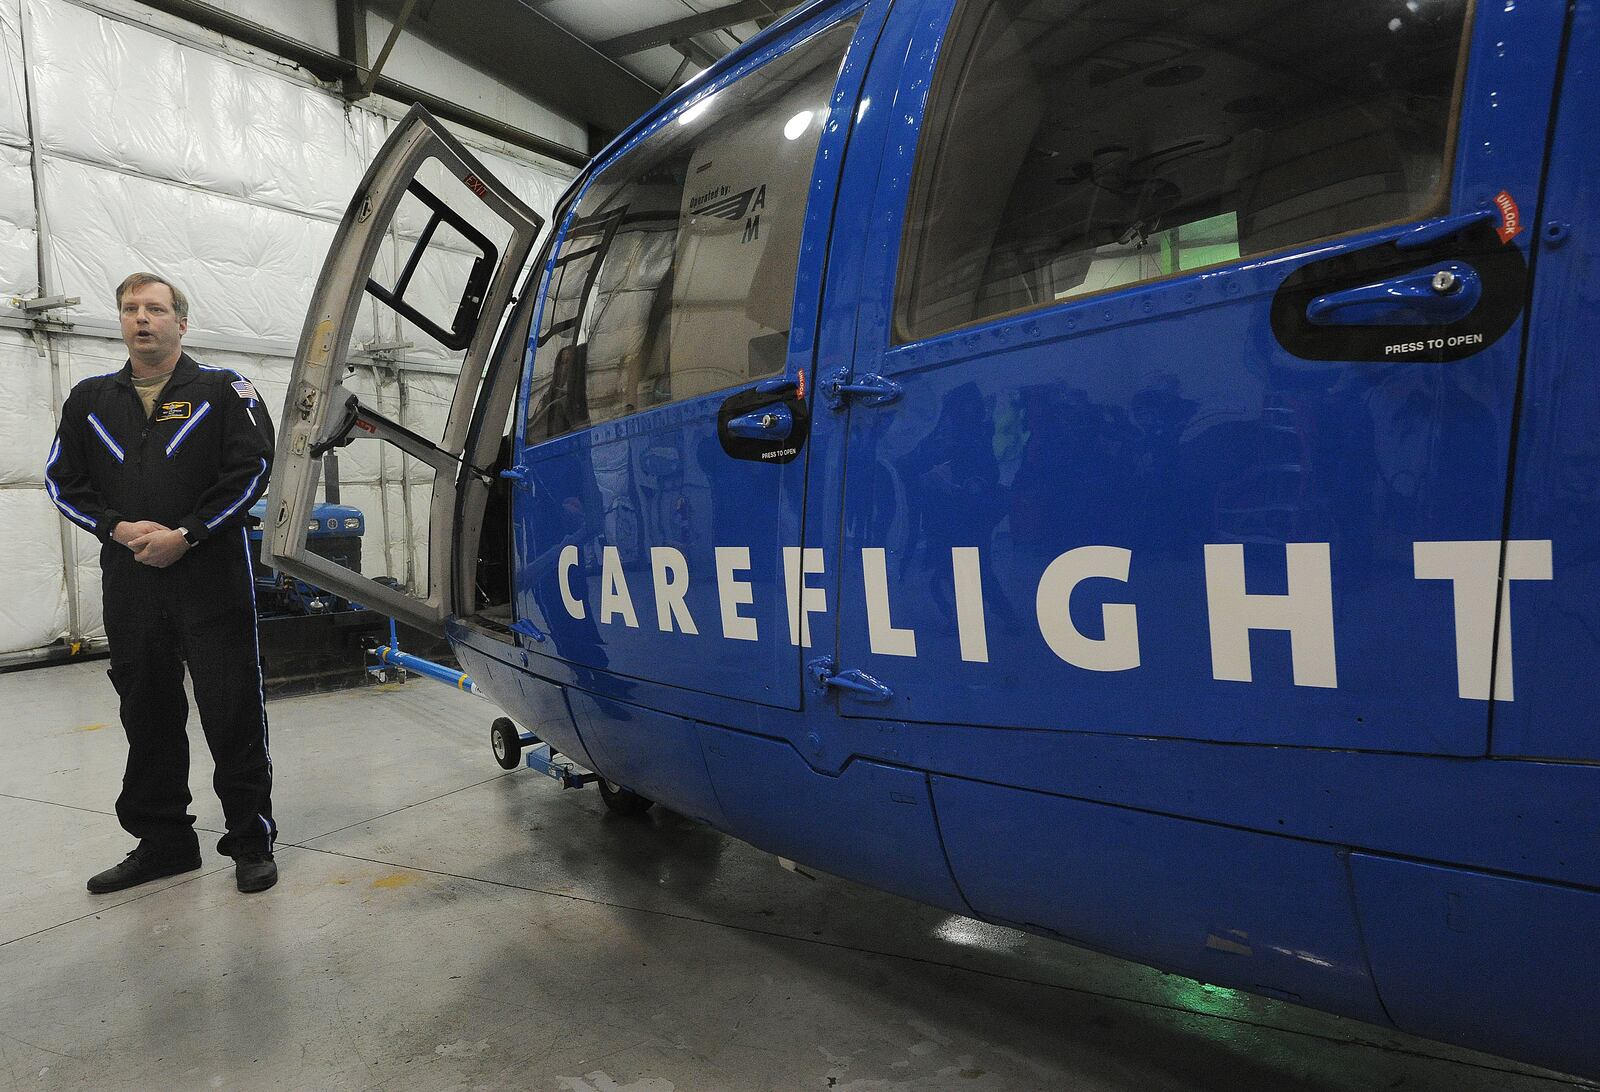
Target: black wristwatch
189,536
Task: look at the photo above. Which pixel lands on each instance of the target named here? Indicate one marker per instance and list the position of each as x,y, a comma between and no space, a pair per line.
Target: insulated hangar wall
130,140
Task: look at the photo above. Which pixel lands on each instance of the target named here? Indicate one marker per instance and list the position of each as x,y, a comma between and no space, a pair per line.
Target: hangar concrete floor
441,924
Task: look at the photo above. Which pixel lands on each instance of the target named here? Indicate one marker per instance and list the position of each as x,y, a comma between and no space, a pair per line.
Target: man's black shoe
254,872
142,866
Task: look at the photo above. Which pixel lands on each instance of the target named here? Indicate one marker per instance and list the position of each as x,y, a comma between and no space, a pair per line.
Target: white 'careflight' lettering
1306,612
614,597
564,567
804,601
1118,650
966,565
734,593
1473,569
671,574
884,638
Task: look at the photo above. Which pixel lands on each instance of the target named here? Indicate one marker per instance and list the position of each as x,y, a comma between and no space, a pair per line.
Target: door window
1080,147
675,276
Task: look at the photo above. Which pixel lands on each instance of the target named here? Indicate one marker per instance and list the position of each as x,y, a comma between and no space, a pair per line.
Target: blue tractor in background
334,532
313,639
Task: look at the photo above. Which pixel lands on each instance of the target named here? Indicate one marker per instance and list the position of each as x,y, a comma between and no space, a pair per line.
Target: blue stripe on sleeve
211,524
54,490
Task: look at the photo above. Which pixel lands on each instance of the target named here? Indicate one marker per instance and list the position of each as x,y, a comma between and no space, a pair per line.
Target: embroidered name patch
173,411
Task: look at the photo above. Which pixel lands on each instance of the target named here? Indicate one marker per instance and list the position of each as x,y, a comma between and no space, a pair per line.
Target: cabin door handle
772,423
1438,295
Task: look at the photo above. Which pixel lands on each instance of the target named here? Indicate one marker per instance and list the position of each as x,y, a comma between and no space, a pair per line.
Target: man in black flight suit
161,461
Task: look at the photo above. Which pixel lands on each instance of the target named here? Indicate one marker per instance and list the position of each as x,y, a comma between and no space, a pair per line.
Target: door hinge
859,683
872,389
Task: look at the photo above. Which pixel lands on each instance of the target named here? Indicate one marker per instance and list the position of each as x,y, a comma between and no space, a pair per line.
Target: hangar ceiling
600,63
603,62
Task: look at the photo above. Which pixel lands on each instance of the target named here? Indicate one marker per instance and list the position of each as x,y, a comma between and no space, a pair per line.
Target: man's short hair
180,302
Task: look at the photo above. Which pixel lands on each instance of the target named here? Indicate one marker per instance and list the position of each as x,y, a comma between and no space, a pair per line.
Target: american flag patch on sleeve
245,390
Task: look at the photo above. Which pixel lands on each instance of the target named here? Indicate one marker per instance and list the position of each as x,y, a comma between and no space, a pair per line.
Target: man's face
151,328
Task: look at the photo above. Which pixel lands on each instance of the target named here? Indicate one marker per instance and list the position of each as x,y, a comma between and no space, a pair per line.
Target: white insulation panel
248,269
19,234
13,95
33,587
27,414
83,357
427,405
91,612
120,96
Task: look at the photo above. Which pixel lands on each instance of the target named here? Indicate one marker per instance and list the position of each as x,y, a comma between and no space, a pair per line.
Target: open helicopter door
397,352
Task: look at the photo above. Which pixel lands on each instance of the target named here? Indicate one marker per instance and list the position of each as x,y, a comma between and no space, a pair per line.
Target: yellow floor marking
397,879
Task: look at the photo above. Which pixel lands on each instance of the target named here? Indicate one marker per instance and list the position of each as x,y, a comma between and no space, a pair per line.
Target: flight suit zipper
144,435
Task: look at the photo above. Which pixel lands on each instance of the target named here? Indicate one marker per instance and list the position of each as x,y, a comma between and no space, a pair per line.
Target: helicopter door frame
321,414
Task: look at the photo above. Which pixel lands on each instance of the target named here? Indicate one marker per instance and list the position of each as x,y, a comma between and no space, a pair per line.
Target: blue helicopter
1126,471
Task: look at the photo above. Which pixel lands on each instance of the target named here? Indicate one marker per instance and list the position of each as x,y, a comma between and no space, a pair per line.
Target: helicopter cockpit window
675,276
1080,146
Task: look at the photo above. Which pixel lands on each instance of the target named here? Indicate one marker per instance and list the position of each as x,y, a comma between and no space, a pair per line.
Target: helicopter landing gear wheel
623,801
506,742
